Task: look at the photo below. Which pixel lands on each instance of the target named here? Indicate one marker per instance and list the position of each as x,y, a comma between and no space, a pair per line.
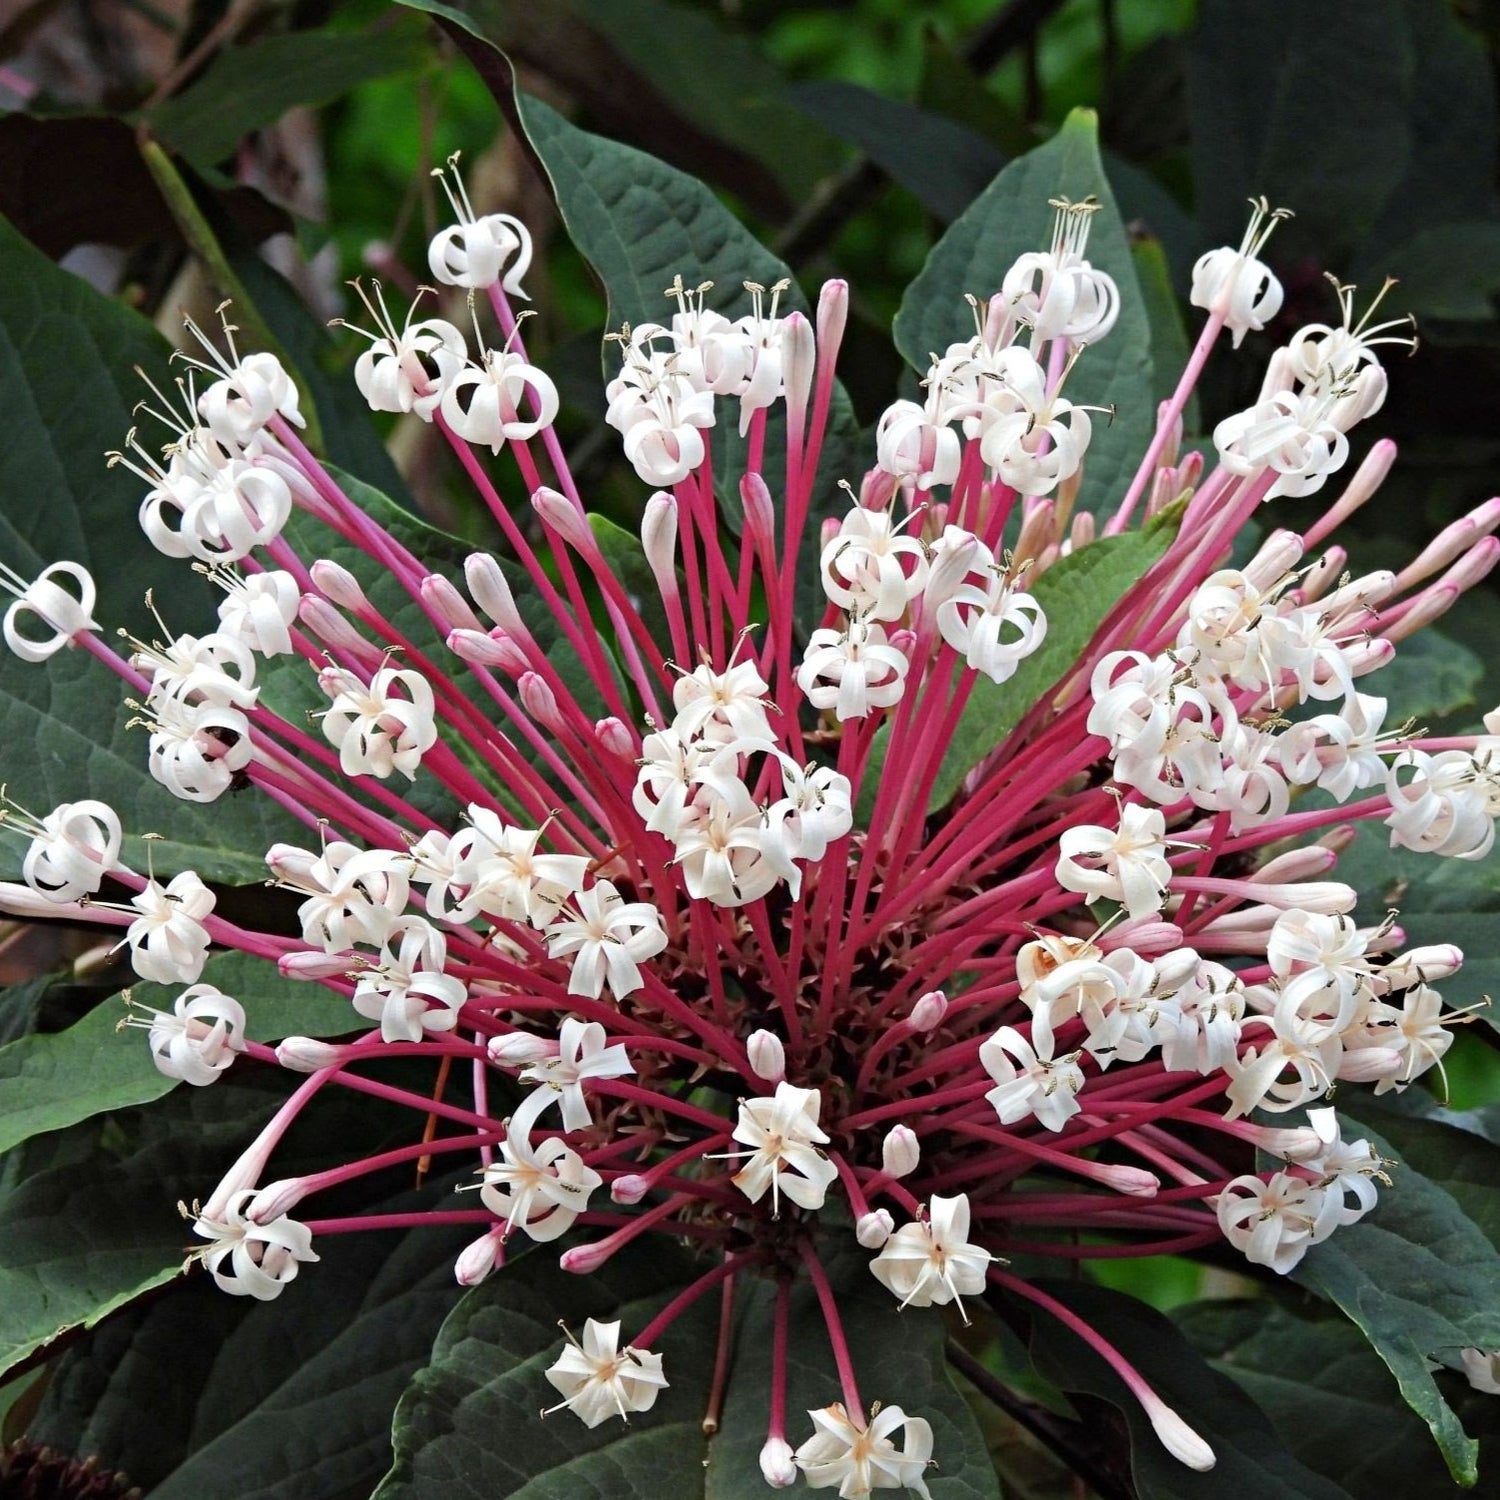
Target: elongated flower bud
767,1055
900,1151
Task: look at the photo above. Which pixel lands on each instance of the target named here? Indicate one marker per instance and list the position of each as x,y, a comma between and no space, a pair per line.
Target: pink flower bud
1426,965
900,1151
338,585
1176,1436
477,1259
760,512
558,512
1276,557
584,1260
1317,579
447,603
797,356
616,737
310,963
629,1189
492,593
767,1056
1136,1181
659,540
1297,864
832,316
928,1012
488,649
277,1198
874,1229
519,1049
902,640
1370,1064
539,701
306,1054
777,1465
334,630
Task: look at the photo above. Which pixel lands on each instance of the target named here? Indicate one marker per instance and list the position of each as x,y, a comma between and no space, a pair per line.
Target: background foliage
171,152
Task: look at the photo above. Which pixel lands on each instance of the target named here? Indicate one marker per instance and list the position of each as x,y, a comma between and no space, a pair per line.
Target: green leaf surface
944,165
1076,593
87,1216
1010,217
1446,270
1422,1281
68,389
1318,1378
246,88
1431,676
285,1400
1250,1459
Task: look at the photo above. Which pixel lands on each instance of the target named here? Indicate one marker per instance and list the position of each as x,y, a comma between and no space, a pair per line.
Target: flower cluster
697,909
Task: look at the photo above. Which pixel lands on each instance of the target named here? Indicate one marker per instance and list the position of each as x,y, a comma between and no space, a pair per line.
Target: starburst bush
904,870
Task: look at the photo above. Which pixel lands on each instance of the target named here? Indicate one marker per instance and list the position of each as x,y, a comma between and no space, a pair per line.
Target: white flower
1320,961
215,669
996,626
816,808
1272,1221
859,1459
1482,1369
1028,1083
1128,865
236,408
929,1262
1057,293
259,609
610,938
476,251
581,1054
200,1039
72,849
482,403
195,750
722,706
541,1191
917,444
405,988
852,671
168,942
784,1136
262,1258
862,566
56,607
597,1382
509,879
380,728
1032,440
354,895
1442,804
1237,285
727,852
1289,432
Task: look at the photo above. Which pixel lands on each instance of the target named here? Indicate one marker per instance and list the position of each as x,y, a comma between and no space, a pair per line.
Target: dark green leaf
1431,676
1169,340
1251,1461
1319,1381
1422,1282
1077,593
1010,217
68,388
1446,270
246,88
942,164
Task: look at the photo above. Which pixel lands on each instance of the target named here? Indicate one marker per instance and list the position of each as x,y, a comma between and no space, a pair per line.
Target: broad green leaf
88,1219
1077,593
1250,1460
467,1427
246,88
1446,270
1431,676
285,1400
1318,1381
721,81
1010,217
68,389
942,164
1422,1281
898,1358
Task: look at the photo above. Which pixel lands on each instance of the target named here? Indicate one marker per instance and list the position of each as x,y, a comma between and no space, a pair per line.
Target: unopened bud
477,1259
928,1012
1174,969
309,963
902,640
760,512
900,1151
1296,864
1423,966
492,593
953,556
540,701
874,1229
797,357
338,584
1136,1181
519,1049
1147,936
306,1054
492,648
1364,657
447,603
629,1189
615,737
277,1198
1083,529
1275,558
1176,1436
1368,591
832,316
584,1260
334,630
1317,580
558,512
777,1465
1369,1064
767,1056
659,541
